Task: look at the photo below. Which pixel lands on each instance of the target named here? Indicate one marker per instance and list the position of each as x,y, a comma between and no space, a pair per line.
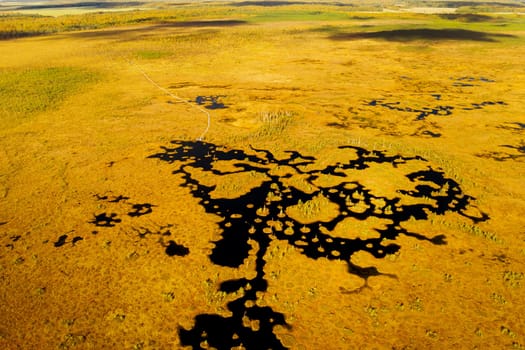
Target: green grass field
32,91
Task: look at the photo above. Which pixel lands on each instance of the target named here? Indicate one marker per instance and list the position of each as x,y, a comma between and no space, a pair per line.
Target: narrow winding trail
201,137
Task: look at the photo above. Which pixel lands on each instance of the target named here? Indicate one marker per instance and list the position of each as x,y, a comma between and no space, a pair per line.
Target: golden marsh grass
369,165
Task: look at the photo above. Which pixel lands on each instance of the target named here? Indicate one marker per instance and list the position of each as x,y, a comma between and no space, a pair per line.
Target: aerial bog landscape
262,175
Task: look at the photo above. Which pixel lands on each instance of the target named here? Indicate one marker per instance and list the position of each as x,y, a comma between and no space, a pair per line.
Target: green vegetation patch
299,15
151,54
24,93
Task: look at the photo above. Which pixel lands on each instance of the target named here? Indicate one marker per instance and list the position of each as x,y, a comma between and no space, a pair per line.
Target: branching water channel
261,215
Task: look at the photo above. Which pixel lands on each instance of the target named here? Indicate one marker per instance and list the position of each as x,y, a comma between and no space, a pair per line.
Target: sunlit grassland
78,118
26,92
13,24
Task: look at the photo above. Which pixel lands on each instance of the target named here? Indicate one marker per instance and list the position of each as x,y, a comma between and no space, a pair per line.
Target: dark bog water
260,214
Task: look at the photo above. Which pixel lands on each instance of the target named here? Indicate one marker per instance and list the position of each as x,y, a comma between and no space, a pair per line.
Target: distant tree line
16,25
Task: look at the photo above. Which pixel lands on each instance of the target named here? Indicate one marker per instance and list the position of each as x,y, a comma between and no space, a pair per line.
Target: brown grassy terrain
360,186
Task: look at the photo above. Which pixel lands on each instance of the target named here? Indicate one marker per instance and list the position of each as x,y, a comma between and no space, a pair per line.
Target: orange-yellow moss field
360,184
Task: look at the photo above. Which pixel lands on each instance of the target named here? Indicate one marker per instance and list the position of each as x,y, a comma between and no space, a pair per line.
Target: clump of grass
513,279
498,298
311,208
319,208
417,304
168,296
471,229
24,93
274,123
72,340
506,331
